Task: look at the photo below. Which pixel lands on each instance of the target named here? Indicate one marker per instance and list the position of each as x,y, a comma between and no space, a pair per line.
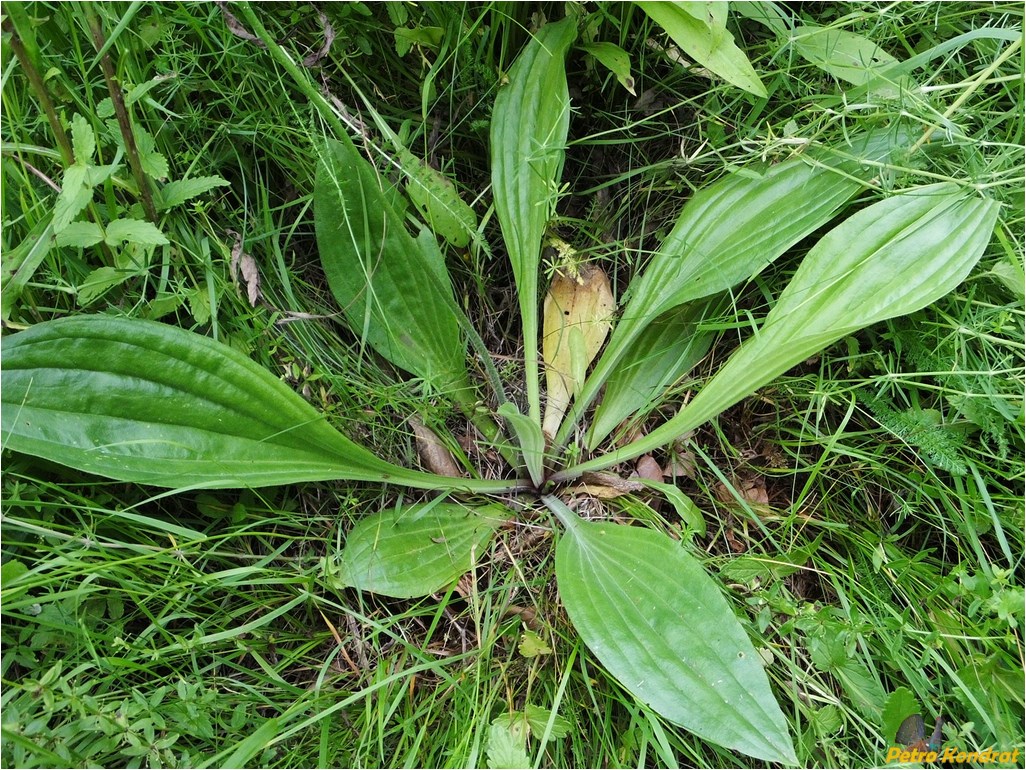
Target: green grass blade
528,138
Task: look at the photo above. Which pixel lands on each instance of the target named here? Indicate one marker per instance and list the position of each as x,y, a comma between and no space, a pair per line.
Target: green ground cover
862,514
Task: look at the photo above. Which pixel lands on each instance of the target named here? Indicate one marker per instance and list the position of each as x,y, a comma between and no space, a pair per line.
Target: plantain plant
144,402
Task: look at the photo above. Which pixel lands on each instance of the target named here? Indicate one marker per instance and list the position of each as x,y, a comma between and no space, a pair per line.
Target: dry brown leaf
248,266
329,38
606,486
578,308
751,489
648,468
236,28
433,453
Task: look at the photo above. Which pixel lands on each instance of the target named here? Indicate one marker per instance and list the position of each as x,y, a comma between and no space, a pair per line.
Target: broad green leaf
20,263
663,352
712,13
845,55
416,550
80,234
74,196
1011,276
529,125
889,259
529,435
83,140
683,505
145,402
96,175
181,190
615,59
394,289
134,231
710,44
766,13
731,230
406,38
659,624
436,198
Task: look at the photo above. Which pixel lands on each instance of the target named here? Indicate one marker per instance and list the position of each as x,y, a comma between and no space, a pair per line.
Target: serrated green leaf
105,108
74,196
538,720
531,645
416,550
900,704
99,174
436,199
529,126
711,45
199,304
659,624
145,402
18,265
394,289
181,190
152,162
507,741
100,281
80,234
887,260
83,140
615,59
134,231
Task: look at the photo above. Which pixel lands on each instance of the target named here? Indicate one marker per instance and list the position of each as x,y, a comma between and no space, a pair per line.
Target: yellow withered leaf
578,308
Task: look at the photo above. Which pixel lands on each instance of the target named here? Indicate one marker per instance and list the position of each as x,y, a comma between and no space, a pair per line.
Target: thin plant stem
121,112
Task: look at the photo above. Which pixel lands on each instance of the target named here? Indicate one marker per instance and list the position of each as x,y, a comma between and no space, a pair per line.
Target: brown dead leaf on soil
648,468
433,453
